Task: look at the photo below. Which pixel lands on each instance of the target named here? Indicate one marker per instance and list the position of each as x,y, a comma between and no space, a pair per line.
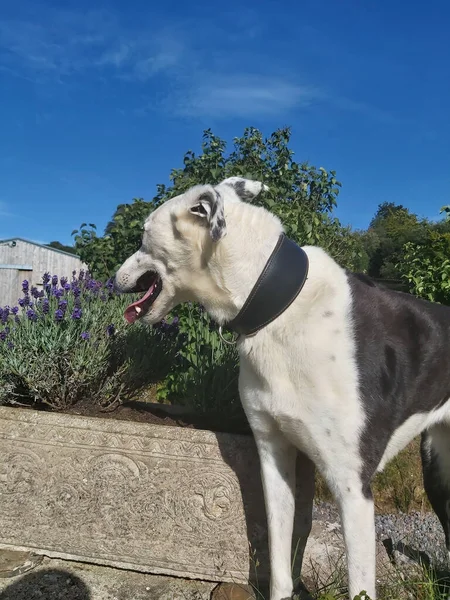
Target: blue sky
100,100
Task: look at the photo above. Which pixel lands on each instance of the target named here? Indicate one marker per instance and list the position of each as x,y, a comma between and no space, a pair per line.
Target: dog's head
179,239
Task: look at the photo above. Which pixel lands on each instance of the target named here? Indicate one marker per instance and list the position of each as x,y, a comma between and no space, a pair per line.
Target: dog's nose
116,286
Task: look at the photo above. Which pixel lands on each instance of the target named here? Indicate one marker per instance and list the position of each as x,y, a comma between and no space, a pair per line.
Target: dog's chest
302,380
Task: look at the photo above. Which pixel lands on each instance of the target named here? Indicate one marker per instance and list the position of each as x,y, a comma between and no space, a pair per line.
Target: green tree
390,229
58,246
425,266
302,195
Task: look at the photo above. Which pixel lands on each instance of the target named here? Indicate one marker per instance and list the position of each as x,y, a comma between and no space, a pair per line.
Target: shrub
204,375
69,342
426,267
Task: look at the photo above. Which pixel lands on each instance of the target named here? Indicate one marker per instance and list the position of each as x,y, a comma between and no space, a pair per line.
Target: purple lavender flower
22,302
45,306
57,292
3,335
63,281
62,305
77,313
110,284
77,302
67,287
32,315
76,291
35,292
59,315
17,319
25,286
81,275
15,310
5,314
110,330
85,335
10,346
54,280
91,284
46,278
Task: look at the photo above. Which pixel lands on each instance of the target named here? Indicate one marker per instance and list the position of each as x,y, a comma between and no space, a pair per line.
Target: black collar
279,284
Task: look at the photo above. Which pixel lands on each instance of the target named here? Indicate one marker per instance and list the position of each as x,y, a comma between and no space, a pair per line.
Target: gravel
414,534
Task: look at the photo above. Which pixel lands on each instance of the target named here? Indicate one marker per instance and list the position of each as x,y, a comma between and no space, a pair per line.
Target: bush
204,375
69,342
426,267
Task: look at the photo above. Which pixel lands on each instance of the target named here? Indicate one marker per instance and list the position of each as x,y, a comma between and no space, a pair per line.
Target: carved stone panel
145,497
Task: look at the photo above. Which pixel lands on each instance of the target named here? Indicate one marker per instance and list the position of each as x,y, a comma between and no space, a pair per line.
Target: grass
424,584
420,583
399,488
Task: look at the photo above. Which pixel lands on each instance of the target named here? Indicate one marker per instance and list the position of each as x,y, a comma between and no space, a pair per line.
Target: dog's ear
246,189
209,206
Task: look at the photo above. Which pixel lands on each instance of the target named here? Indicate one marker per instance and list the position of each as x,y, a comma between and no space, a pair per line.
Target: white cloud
209,81
61,43
245,96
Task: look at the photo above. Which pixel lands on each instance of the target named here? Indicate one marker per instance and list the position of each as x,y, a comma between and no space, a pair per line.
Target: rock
233,591
14,562
324,562
324,557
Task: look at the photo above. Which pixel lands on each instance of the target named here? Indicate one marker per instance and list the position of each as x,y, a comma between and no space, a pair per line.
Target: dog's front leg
357,515
277,457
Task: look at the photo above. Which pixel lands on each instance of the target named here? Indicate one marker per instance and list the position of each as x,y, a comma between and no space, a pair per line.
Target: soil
162,414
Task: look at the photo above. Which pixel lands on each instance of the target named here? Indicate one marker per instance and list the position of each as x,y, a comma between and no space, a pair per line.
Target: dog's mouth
151,283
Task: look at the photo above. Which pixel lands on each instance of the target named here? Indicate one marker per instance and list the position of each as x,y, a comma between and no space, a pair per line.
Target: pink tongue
131,314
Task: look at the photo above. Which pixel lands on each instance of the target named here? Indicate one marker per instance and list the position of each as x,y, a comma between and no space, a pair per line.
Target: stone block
150,498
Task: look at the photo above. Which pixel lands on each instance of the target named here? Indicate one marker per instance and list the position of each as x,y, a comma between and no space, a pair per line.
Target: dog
345,376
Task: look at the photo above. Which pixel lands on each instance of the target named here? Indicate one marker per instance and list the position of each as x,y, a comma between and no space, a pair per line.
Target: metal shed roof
19,239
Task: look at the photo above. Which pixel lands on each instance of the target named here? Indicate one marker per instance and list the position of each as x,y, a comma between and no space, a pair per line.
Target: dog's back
403,349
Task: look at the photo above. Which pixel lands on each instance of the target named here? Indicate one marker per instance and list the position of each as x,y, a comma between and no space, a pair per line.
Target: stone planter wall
146,497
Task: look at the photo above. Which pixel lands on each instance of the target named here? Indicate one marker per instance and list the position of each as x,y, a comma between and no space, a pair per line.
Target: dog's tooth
138,309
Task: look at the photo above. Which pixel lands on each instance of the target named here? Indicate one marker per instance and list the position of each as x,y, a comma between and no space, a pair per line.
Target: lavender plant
68,342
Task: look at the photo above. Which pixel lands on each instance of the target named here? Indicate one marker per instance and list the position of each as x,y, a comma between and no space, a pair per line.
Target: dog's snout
121,282
125,285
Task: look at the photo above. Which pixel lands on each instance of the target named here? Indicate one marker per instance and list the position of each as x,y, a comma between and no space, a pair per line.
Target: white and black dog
346,372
